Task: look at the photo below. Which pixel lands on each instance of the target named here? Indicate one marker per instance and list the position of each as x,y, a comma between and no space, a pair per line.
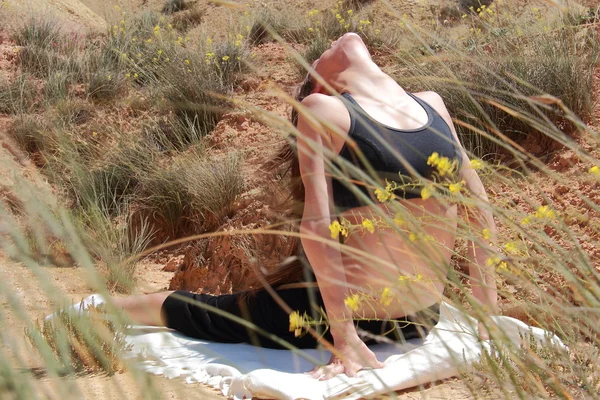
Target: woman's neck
363,83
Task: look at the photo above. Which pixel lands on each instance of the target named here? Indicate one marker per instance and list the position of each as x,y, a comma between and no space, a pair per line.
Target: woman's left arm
350,354
480,219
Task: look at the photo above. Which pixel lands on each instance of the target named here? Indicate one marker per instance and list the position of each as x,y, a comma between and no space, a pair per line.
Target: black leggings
181,314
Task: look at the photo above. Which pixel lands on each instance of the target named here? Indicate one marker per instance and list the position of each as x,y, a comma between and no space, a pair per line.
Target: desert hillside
136,139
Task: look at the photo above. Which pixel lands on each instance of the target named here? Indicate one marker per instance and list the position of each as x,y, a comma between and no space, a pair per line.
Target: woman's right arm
350,354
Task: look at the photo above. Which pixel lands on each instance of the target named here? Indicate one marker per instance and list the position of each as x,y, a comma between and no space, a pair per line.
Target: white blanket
244,371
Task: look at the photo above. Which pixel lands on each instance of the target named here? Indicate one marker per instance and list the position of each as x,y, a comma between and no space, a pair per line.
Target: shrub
491,94
214,183
74,111
38,31
18,96
228,62
32,134
194,91
172,6
106,187
172,133
188,200
105,85
281,22
115,240
186,20
56,86
355,4
47,54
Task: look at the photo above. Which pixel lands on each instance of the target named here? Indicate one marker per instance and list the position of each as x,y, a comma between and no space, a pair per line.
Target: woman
373,141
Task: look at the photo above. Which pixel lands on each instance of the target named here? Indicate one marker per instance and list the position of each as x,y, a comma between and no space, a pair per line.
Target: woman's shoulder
326,108
433,98
318,100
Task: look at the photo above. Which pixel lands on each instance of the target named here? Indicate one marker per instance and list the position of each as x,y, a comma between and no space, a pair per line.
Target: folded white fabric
244,371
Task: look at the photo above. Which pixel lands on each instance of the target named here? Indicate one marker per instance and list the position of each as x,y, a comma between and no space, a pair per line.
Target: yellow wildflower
353,301
412,236
109,77
425,193
149,40
386,297
404,279
476,164
296,323
186,61
208,41
502,267
386,194
493,261
238,43
595,170
399,220
336,229
433,159
225,58
486,234
512,248
159,52
312,13
455,187
135,75
527,220
545,212
350,12
156,28
310,29
445,166
368,225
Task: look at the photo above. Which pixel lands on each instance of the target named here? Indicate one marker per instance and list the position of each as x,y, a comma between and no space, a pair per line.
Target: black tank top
383,152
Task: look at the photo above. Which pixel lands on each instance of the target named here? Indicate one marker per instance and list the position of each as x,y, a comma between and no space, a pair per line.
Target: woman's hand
349,357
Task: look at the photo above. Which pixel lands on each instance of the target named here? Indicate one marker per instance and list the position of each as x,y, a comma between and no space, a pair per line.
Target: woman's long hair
292,268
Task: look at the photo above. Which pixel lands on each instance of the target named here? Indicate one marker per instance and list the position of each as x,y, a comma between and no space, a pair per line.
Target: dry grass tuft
86,343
